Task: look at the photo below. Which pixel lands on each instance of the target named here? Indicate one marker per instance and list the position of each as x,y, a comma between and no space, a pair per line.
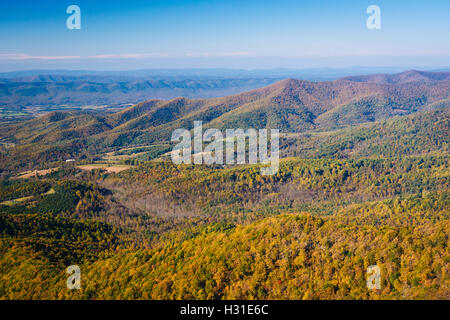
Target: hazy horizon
224,72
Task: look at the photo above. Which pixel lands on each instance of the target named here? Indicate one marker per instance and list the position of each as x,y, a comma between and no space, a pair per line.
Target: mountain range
42,91
80,91
292,106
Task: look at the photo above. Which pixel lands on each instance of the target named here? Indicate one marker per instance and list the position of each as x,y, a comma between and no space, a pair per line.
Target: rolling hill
292,106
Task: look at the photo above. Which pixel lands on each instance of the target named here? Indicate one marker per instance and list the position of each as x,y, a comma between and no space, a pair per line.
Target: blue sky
120,35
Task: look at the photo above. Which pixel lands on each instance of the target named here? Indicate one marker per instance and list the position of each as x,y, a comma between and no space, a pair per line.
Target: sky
248,34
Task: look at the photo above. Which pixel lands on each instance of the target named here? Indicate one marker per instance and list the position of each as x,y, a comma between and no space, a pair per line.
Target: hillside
296,106
294,256
415,134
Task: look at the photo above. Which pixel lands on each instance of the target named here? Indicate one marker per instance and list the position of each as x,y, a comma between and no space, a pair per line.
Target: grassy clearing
108,167
24,199
110,156
29,174
16,201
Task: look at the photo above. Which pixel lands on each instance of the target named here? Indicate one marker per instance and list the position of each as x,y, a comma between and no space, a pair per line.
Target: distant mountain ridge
96,91
222,73
404,77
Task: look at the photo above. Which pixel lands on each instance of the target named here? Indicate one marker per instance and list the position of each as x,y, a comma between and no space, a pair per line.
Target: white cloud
129,56
218,54
22,56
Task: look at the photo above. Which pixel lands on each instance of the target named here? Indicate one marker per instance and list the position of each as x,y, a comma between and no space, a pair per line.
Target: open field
24,199
108,167
15,201
29,174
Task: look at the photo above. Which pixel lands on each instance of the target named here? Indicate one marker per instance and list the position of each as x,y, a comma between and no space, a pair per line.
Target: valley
363,180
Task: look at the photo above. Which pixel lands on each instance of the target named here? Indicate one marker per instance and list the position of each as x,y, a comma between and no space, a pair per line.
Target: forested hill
168,232
289,105
419,133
